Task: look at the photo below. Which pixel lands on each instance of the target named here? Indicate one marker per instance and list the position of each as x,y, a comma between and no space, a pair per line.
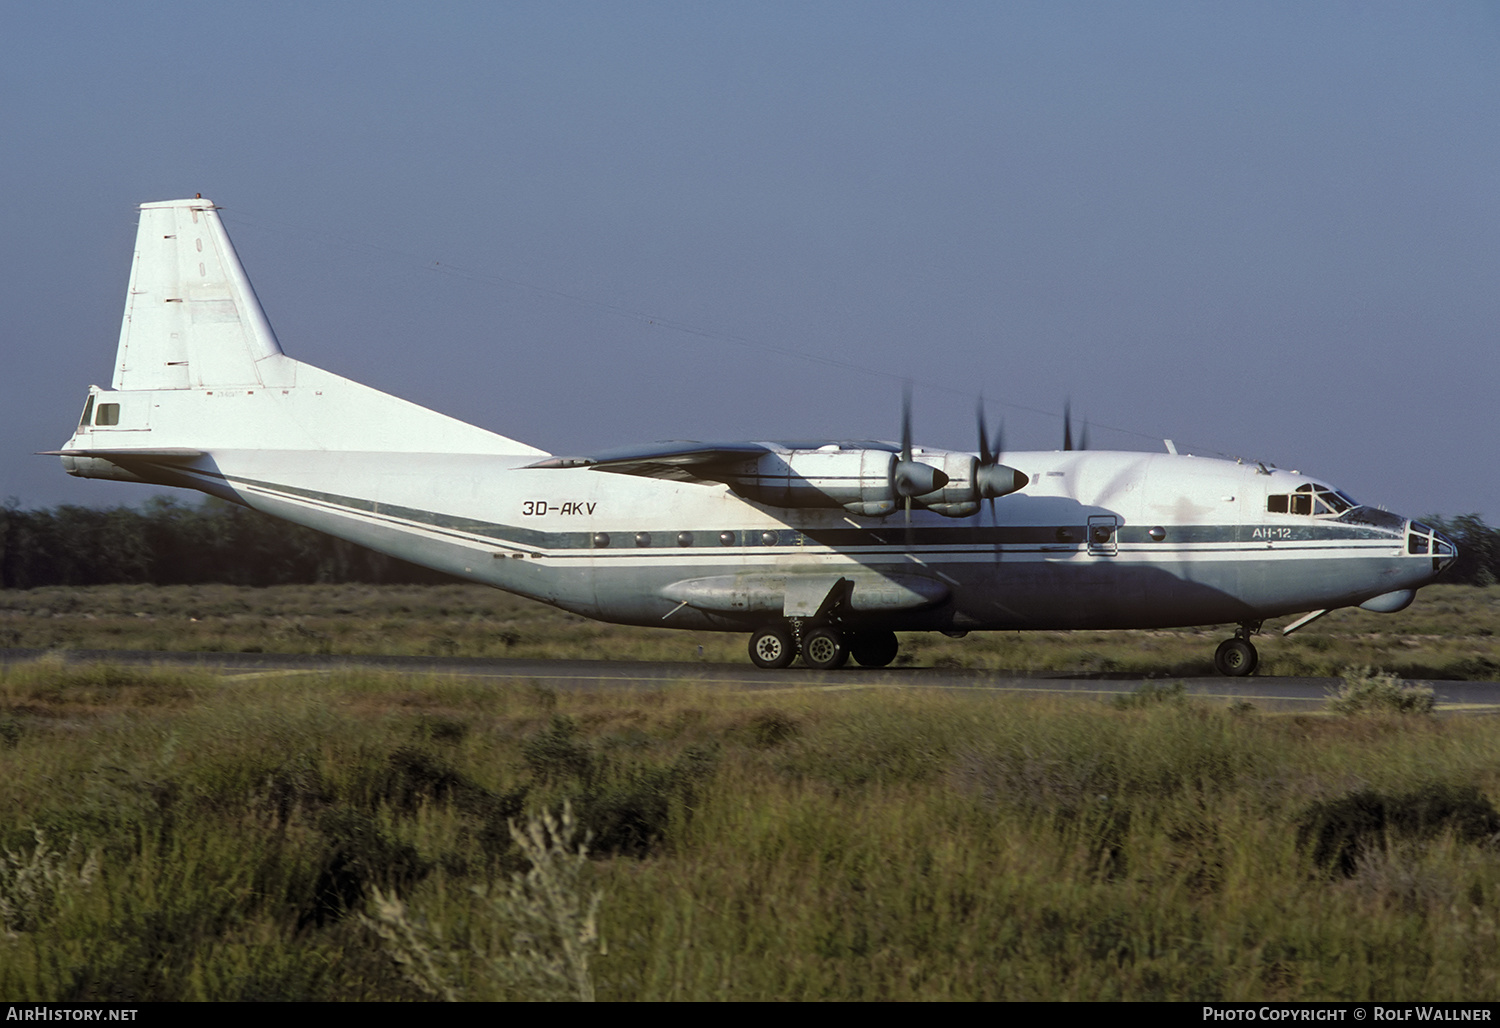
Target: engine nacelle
872,483
968,483
857,480
956,482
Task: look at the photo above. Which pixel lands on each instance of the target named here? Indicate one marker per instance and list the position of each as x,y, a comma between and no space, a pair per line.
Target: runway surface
1269,692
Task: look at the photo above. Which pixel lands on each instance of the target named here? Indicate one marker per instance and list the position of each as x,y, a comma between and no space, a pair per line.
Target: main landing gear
823,646
773,646
1237,657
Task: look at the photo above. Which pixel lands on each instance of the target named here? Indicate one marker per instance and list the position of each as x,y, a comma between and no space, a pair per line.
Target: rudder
192,319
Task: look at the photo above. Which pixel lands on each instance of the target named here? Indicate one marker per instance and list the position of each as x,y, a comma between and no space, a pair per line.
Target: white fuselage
1095,540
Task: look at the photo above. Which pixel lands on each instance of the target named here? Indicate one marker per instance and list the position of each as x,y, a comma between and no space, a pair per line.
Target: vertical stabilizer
191,317
200,371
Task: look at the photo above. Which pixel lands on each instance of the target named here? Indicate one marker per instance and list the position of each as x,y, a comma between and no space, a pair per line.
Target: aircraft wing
691,461
683,461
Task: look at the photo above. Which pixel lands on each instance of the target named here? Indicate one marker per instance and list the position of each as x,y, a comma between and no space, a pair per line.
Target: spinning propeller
1083,441
912,477
991,478
919,483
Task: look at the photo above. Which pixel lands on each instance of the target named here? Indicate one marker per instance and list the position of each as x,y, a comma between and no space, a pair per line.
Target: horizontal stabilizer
130,464
169,453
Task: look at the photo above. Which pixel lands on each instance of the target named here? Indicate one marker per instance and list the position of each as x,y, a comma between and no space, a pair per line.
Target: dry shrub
1367,691
1343,831
541,928
31,888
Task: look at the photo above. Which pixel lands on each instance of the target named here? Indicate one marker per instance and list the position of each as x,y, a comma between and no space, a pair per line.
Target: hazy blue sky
1262,229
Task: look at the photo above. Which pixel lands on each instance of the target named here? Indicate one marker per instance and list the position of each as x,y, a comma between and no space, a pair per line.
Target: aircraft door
1104,534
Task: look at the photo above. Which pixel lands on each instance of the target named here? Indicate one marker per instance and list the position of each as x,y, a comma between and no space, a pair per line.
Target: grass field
1449,633
174,835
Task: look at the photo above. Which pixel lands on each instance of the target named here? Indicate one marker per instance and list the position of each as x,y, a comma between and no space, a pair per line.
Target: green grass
872,844
1449,633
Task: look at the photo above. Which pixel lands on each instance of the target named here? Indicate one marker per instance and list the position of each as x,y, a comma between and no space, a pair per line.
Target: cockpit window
1374,517
1311,500
1335,501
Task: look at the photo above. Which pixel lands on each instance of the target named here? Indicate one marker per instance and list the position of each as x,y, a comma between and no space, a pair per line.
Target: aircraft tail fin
199,368
192,319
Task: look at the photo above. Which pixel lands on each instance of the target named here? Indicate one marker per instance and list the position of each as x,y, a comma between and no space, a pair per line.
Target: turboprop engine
966,480
864,477
871,482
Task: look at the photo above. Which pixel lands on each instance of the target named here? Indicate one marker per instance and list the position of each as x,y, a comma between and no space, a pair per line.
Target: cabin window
107,414
88,411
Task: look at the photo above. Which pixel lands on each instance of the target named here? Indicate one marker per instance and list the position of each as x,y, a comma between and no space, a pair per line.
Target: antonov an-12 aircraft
823,549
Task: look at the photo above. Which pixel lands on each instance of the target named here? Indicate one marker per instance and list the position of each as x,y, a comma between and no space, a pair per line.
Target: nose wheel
1236,657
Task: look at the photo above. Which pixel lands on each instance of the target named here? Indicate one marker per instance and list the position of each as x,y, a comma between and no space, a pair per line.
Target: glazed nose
1443,551
1424,541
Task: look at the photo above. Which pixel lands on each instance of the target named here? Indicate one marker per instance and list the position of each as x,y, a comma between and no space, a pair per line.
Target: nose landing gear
1237,657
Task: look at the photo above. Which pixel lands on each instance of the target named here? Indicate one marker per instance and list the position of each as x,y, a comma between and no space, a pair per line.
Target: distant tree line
169,543
1478,549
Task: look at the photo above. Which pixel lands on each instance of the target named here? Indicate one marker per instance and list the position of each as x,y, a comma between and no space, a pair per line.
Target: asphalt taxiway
1265,692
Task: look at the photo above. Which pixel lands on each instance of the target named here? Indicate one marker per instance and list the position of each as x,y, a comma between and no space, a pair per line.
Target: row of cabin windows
1310,499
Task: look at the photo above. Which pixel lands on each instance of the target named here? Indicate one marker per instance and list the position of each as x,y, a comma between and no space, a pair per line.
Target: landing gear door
1104,535
809,596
